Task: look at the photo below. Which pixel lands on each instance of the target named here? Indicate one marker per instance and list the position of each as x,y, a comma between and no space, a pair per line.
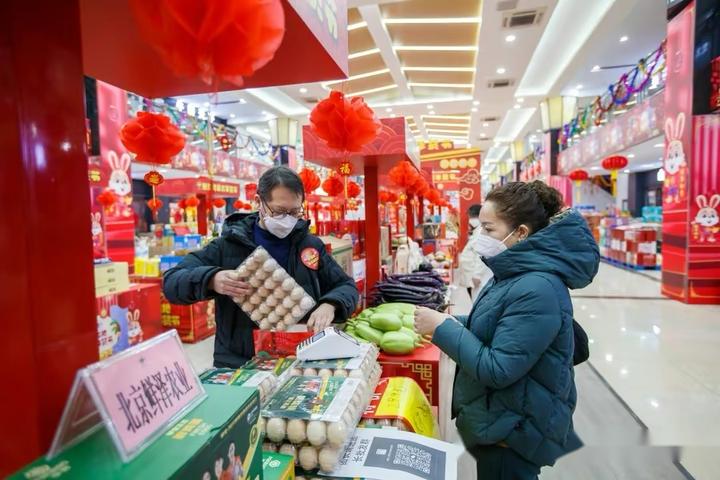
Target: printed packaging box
217,439
422,365
111,278
278,467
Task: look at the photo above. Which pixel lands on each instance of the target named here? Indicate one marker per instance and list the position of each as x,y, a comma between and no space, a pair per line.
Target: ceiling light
232,115
500,70
517,105
445,130
393,115
435,48
432,112
476,102
594,168
626,171
388,109
579,87
510,38
440,85
623,39
439,69
452,117
483,134
520,100
486,124
596,68
373,90
363,53
445,124
358,76
659,145
355,26
265,113
630,155
243,101
207,104
474,109
539,130
426,20
303,90
430,107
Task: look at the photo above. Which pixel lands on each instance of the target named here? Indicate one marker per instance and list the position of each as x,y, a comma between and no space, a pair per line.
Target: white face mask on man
280,227
488,247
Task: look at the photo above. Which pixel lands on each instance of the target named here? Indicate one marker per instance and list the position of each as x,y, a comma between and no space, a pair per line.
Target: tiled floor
649,398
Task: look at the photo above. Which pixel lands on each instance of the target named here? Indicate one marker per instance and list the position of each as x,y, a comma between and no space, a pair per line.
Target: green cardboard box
198,446
277,466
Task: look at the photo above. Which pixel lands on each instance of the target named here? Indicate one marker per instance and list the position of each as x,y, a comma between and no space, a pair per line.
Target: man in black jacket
280,229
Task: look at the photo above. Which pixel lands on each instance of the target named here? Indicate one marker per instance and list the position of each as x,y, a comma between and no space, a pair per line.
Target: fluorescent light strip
355,26
427,20
363,53
444,130
443,124
435,48
440,85
358,77
422,101
453,117
439,69
372,90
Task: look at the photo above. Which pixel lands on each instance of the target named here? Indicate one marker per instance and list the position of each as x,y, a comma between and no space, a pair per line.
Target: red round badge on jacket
310,258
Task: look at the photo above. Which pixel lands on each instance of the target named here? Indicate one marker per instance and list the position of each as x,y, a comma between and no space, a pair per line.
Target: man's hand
227,282
322,317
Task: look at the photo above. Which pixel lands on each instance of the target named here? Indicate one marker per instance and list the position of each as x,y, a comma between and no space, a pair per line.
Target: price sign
136,395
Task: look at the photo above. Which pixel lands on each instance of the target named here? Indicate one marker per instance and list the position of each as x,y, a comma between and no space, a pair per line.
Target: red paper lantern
154,204
219,203
344,124
616,162
192,201
404,174
212,39
353,189
310,180
152,138
250,190
182,203
238,204
384,196
392,197
333,186
578,175
107,198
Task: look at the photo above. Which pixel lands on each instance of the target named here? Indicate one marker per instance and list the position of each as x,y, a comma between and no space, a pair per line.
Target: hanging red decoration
353,189
182,203
433,196
250,191
152,137
333,186
404,174
310,180
154,178
238,204
384,196
346,125
219,203
211,39
345,169
192,201
154,204
107,198
392,197
225,142
578,175
614,163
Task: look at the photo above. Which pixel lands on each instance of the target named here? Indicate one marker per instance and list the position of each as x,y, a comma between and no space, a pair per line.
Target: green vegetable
408,321
387,322
401,308
397,343
366,313
369,333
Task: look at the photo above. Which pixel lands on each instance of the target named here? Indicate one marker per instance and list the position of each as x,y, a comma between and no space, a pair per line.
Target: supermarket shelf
628,266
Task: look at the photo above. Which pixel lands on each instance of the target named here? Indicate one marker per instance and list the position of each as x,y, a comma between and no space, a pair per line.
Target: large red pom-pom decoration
152,137
212,39
107,199
353,189
219,203
346,125
238,204
333,186
192,201
404,174
310,180
154,204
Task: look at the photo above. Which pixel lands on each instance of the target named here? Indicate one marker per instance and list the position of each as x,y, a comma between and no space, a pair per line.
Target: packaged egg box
311,418
357,367
276,300
265,382
280,367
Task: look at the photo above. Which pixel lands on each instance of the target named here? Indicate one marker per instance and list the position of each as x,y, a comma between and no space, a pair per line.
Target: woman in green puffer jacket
514,392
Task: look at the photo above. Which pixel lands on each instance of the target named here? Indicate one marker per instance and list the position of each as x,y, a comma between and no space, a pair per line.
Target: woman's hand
322,317
427,320
227,282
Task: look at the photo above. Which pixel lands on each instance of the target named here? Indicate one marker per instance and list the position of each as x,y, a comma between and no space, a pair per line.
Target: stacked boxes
111,278
633,245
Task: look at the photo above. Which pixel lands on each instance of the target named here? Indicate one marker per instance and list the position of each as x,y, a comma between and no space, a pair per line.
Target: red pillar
47,292
372,228
410,218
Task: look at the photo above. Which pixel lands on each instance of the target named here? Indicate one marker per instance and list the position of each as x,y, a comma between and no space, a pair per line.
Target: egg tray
358,367
265,382
276,301
328,438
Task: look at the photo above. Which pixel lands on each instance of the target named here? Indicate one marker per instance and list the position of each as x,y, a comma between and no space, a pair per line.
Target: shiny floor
649,398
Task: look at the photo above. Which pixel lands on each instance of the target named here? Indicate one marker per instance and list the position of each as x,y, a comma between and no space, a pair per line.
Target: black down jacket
189,283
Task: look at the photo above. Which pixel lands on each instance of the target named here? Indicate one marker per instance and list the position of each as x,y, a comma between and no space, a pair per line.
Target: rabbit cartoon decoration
707,220
119,179
97,235
675,163
135,333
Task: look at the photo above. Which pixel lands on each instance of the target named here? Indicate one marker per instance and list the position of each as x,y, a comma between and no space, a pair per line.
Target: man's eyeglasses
282,213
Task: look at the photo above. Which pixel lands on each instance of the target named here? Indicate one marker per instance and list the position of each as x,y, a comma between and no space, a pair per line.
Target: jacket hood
565,248
239,227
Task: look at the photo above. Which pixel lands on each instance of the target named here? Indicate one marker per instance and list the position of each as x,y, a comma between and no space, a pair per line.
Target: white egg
316,432
279,275
296,431
264,309
255,282
328,459
273,318
288,303
297,372
356,374
308,457
337,433
255,299
281,311
261,275
307,303
289,449
340,372
325,372
265,325
400,425
270,265
247,306
288,284
276,428
269,447
310,372
279,293
243,271
384,422
256,316
261,254
250,264
297,293
280,327
263,292
271,301
290,319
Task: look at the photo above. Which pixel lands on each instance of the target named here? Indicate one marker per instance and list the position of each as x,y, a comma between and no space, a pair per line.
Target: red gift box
280,344
422,365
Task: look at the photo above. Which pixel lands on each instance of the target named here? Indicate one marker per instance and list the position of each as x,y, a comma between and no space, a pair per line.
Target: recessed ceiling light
483,134
243,101
232,115
539,130
476,102
264,113
510,38
520,100
659,145
388,109
596,68
486,124
430,107
207,104
579,87
474,109
626,171
432,112
631,155
517,105
303,90
500,70
393,115
624,39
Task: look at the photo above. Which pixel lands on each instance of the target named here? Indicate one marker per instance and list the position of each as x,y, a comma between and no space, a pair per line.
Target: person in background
280,228
473,274
514,393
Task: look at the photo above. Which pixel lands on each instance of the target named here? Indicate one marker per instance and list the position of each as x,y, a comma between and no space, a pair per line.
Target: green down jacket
515,380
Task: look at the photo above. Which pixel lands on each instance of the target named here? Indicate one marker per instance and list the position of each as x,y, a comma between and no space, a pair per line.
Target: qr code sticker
413,457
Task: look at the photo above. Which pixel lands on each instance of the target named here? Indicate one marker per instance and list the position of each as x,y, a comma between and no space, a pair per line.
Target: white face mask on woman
488,247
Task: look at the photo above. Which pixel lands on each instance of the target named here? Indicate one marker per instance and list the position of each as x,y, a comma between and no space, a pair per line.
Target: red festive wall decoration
344,124
152,137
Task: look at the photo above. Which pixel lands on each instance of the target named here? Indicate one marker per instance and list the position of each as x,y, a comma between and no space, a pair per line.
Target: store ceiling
434,62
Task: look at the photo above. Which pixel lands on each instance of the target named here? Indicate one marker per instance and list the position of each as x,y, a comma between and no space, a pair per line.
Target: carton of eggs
275,301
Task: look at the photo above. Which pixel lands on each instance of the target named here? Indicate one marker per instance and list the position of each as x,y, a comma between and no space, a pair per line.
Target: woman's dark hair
474,210
532,204
279,177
